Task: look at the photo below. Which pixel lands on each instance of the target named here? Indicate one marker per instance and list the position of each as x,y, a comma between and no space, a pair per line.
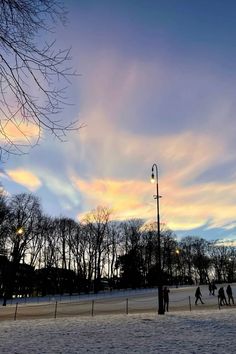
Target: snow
205,329
187,332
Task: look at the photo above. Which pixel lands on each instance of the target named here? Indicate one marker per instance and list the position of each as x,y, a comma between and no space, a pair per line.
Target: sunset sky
157,84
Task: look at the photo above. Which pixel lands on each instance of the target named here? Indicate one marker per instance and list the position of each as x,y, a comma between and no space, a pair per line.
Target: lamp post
154,178
177,265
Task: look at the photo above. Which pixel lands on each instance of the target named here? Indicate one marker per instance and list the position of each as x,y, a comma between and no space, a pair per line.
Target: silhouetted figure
166,298
213,287
198,295
230,295
210,288
221,297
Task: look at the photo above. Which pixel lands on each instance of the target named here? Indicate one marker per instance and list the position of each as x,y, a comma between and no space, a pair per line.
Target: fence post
189,301
127,306
92,310
15,311
55,312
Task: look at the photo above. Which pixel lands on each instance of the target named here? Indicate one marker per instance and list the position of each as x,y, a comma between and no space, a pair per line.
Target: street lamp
19,231
177,252
154,178
18,234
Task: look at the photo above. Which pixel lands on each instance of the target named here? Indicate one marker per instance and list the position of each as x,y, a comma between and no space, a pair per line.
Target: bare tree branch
33,76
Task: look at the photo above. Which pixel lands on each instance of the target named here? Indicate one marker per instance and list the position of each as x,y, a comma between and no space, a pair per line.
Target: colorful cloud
25,178
18,131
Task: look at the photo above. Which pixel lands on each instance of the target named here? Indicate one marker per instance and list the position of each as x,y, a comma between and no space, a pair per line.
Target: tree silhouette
33,74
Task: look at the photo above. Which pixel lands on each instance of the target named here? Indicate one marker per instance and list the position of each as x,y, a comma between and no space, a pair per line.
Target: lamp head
152,178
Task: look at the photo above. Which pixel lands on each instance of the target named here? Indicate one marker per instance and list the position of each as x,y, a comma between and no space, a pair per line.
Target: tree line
42,255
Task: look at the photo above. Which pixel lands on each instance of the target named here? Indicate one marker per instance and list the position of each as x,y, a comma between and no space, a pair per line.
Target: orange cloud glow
25,178
19,132
123,197
180,208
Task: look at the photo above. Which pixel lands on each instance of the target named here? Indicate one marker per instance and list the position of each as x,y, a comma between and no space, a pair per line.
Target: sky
156,84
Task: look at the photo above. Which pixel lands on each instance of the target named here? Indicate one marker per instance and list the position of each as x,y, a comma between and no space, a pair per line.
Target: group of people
222,297
221,294
198,295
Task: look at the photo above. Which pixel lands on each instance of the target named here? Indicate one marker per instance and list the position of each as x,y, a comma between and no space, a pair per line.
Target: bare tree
196,259
130,261
171,259
223,261
25,214
33,74
97,222
23,225
65,229
113,248
131,231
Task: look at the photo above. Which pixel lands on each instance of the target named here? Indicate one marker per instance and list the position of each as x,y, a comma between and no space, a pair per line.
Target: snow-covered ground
185,332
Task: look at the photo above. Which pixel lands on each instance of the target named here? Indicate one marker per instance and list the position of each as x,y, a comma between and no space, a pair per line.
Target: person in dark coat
221,297
213,287
166,298
198,295
230,295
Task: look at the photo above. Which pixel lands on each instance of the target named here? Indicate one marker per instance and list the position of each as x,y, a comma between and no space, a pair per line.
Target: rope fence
93,307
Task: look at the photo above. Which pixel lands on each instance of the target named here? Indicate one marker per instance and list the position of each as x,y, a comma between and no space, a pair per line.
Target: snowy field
210,331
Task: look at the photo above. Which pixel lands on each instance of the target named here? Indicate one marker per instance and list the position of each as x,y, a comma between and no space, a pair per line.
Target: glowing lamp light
19,231
153,178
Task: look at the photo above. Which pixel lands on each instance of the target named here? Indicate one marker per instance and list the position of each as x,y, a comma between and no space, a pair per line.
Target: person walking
213,287
221,297
166,298
198,295
230,294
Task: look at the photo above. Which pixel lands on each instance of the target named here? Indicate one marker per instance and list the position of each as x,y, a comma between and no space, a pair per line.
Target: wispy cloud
122,196
65,194
18,131
181,207
25,178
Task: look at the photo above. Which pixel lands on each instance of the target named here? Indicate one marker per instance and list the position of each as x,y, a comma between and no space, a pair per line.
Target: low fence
99,306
